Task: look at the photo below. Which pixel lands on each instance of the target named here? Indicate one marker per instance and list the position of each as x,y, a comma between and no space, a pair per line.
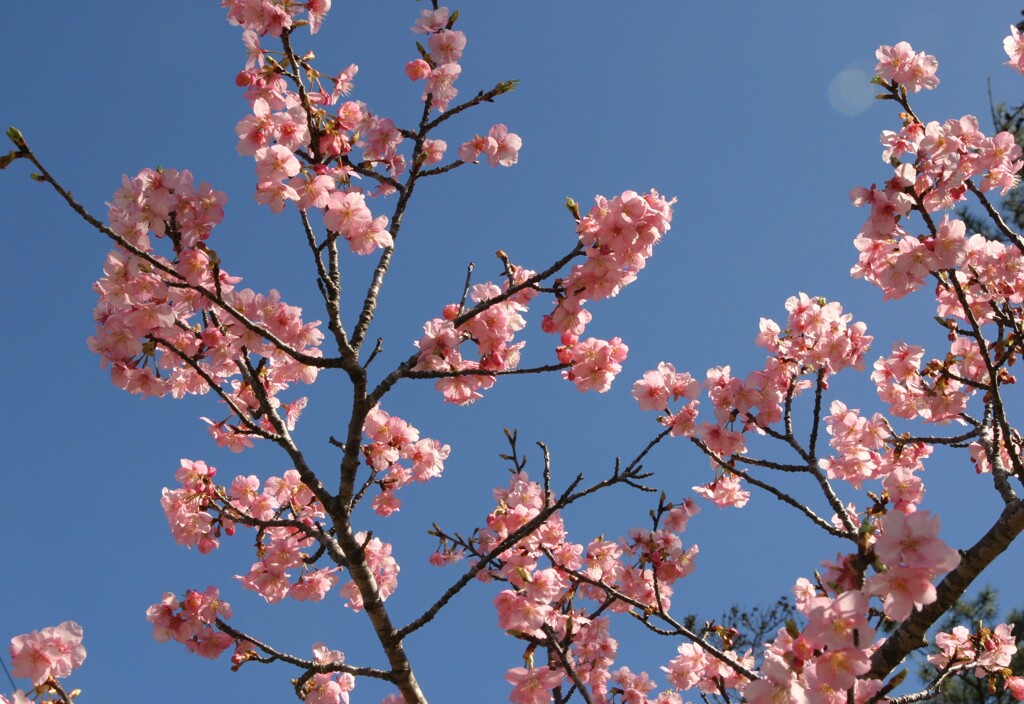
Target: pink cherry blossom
912,540
903,590
431,21
440,86
446,46
1014,47
506,146
532,686
433,151
317,10
275,163
725,491
52,652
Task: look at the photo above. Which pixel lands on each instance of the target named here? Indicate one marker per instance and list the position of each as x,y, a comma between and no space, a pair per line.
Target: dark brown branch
302,662
996,217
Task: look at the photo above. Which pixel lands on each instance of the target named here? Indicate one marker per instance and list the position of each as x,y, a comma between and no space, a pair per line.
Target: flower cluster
287,516
832,652
977,279
819,340
392,441
934,164
491,325
283,548
911,393
280,132
440,65
987,650
618,236
914,555
284,510
693,668
901,65
274,16
50,653
500,146
826,659
551,580
180,326
328,687
191,621
866,449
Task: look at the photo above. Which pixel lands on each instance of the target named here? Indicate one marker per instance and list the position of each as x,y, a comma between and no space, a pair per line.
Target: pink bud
417,70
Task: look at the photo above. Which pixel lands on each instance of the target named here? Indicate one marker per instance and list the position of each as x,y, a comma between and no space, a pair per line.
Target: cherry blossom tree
172,321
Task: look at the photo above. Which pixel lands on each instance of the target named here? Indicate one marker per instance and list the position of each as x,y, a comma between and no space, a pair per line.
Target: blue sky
744,111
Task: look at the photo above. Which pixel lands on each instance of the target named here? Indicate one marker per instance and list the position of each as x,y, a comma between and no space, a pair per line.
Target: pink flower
431,21
517,612
532,686
595,363
253,52
912,540
839,623
507,146
275,163
441,86
470,151
836,670
324,688
725,491
318,9
313,586
954,647
903,590
275,195
433,151
1014,47
368,236
346,212
686,670
446,46
677,517
652,392
51,652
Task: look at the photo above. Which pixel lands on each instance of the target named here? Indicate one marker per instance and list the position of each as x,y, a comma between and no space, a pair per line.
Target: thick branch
996,217
390,639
